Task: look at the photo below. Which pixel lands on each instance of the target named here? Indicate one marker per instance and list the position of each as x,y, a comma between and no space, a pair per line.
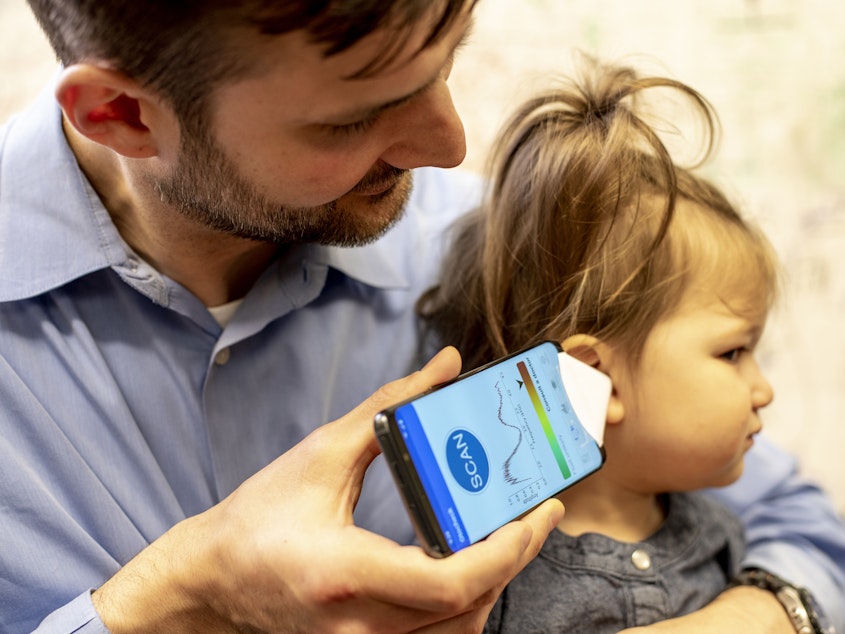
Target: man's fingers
463,580
357,426
542,520
348,445
444,366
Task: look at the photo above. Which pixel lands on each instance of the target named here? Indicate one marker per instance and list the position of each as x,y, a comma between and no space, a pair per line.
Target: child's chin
730,476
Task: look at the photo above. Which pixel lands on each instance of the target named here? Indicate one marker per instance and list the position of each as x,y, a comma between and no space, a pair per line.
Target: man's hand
281,554
743,609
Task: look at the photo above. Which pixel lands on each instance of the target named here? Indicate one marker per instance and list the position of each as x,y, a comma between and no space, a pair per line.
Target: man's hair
182,49
576,233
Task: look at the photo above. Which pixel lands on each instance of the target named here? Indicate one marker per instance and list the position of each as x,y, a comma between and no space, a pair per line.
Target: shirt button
222,357
641,559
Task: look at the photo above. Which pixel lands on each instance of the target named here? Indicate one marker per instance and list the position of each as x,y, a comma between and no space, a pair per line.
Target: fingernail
430,361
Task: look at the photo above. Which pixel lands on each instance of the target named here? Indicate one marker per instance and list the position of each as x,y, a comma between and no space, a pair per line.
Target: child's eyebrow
747,326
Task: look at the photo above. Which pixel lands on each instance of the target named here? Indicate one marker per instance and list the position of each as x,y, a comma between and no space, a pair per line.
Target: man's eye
353,128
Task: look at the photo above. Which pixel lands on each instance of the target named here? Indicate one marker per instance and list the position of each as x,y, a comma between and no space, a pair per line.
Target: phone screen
492,445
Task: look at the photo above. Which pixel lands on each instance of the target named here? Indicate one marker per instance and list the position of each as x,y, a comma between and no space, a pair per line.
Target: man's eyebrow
372,111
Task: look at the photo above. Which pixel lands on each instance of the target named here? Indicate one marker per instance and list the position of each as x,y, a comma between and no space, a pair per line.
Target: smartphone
472,454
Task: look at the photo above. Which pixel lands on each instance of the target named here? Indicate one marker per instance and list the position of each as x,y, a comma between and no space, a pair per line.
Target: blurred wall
774,70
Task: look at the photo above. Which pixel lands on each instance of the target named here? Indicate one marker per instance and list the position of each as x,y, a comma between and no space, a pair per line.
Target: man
193,282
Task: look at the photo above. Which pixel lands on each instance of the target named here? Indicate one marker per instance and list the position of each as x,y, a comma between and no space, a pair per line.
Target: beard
206,187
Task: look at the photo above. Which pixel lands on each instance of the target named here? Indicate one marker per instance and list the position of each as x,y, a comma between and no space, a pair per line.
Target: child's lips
749,440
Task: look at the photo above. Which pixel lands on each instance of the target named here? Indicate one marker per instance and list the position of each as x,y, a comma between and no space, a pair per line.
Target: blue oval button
467,460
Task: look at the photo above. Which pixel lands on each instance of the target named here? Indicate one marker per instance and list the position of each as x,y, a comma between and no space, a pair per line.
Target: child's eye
732,355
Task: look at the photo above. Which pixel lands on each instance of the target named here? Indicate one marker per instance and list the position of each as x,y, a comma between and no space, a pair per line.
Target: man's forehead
388,50
410,72
302,85
397,46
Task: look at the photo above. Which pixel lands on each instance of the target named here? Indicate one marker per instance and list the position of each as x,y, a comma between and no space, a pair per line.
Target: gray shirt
594,584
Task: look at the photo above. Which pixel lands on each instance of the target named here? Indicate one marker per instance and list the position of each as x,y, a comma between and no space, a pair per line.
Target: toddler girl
591,235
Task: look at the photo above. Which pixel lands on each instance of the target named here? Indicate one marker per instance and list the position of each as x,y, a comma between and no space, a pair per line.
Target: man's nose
430,133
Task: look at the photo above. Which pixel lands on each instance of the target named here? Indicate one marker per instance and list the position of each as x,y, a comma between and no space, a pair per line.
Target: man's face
301,152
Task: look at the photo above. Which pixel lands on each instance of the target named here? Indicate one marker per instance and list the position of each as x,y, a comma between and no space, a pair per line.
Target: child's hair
588,226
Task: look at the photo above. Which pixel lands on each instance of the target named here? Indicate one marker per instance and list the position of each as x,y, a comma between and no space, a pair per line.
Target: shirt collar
375,264
53,228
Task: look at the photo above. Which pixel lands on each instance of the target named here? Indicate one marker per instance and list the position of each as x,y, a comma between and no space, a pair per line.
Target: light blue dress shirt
125,408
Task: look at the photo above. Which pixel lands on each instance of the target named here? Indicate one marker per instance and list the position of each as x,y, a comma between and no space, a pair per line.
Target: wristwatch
799,604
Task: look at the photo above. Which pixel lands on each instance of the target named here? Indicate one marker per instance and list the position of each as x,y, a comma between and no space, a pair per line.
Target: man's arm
746,610
282,553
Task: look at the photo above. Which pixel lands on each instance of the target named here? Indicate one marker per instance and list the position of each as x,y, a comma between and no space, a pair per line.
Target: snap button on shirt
641,559
222,357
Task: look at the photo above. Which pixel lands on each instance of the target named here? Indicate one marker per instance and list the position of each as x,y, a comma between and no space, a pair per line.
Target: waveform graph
520,470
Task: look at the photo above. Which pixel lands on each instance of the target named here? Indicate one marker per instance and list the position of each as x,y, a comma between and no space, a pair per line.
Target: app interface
493,445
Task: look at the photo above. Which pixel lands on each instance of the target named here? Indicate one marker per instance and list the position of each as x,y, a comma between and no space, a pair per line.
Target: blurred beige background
775,71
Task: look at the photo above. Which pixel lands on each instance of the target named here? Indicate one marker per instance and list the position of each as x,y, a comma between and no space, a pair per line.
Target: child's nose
761,390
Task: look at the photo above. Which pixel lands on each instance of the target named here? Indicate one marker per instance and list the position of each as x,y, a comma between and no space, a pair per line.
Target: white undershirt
223,313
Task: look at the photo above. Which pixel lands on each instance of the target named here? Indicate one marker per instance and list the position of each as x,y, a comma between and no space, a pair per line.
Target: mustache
381,174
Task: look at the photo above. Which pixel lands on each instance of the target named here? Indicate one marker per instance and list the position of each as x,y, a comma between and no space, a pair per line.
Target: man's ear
109,108
592,351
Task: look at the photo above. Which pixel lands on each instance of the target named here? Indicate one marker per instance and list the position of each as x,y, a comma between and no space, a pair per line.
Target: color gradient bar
544,420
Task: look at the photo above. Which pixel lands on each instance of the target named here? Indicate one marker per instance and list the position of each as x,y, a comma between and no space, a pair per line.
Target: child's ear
583,348
109,108
592,351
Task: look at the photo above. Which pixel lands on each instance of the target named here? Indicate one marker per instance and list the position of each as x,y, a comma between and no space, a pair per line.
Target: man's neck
214,266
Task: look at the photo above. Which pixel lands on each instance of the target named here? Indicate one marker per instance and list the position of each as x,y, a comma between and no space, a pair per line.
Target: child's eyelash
734,353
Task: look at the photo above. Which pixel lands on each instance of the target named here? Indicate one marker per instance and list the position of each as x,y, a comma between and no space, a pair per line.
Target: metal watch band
796,601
